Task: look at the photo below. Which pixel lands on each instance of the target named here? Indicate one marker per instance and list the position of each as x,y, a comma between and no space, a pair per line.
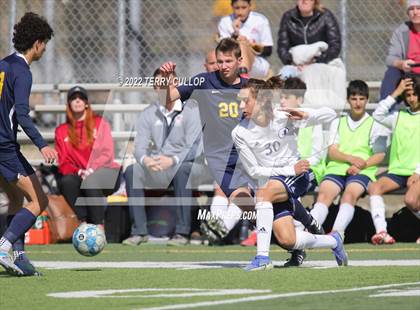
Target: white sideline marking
398,293
194,292
212,264
275,296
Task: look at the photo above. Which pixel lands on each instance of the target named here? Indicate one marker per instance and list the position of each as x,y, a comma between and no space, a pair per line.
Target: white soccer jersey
256,28
273,150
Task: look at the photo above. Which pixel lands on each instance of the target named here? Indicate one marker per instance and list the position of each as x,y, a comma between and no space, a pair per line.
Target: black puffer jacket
321,27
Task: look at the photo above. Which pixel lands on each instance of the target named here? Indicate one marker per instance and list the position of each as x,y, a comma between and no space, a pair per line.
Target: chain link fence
96,41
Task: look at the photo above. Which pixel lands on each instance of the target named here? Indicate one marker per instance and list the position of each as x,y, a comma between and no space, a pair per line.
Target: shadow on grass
88,269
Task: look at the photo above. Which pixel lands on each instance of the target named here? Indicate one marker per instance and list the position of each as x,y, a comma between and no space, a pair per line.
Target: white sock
5,245
265,217
306,240
219,206
344,217
319,212
298,225
377,208
232,216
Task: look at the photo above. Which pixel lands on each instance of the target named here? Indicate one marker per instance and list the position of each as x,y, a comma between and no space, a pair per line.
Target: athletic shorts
12,169
313,184
282,209
401,180
343,180
296,186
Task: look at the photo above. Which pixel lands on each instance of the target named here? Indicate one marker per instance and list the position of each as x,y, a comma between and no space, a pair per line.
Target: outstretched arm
168,71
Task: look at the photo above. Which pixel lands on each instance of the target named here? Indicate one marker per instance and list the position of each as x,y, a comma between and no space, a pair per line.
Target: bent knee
412,202
287,242
375,189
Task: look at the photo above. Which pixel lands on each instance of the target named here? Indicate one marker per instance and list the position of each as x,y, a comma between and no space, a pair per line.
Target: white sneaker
7,263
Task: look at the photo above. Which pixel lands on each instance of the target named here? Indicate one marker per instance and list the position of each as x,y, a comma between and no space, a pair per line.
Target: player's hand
236,24
413,179
405,84
165,162
301,166
353,170
50,155
405,65
295,114
357,161
167,68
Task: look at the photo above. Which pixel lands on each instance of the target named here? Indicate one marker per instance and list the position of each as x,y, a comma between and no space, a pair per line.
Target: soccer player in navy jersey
17,177
219,112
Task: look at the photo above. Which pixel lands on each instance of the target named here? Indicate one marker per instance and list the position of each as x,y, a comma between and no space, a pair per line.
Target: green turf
149,252
31,293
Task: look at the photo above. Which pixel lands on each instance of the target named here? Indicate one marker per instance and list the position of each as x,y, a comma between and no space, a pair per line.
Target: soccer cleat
339,252
259,263
251,240
216,224
7,263
315,228
212,237
26,266
297,258
382,238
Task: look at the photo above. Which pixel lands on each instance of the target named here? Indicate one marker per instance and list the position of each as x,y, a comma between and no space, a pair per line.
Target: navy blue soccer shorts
296,186
343,180
12,169
401,180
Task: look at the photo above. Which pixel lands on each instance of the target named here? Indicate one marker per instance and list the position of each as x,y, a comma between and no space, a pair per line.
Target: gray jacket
184,140
398,47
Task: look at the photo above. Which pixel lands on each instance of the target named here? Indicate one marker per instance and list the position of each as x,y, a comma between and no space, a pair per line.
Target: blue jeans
138,177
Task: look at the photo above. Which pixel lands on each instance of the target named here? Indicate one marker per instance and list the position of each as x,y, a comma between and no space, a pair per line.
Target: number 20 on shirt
230,109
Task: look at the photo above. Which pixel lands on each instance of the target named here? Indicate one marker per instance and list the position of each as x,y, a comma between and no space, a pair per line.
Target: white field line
193,292
212,264
275,296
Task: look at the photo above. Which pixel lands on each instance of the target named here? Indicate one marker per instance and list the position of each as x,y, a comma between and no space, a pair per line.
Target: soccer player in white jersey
253,33
267,144
311,147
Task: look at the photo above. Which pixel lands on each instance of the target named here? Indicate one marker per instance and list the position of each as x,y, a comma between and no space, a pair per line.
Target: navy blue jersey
15,88
219,112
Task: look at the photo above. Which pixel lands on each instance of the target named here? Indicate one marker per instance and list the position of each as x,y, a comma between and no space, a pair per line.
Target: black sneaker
217,225
315,228
297,258
212,237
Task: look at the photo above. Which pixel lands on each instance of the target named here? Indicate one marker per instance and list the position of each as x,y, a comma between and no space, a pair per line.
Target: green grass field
161,277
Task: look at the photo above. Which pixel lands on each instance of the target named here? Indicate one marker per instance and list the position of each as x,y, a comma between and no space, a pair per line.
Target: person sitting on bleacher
357,144
85,158
404,161
253,33
167,142
404,50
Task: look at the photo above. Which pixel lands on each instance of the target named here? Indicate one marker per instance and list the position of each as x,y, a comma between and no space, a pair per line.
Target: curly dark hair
28,30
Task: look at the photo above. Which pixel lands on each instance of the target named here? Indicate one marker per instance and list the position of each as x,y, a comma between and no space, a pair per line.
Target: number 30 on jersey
230,109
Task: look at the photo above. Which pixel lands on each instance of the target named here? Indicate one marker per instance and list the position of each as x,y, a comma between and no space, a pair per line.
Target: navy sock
20,224
301,214
19,245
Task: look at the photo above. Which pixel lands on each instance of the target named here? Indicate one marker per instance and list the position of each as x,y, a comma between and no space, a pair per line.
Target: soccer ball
89,239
